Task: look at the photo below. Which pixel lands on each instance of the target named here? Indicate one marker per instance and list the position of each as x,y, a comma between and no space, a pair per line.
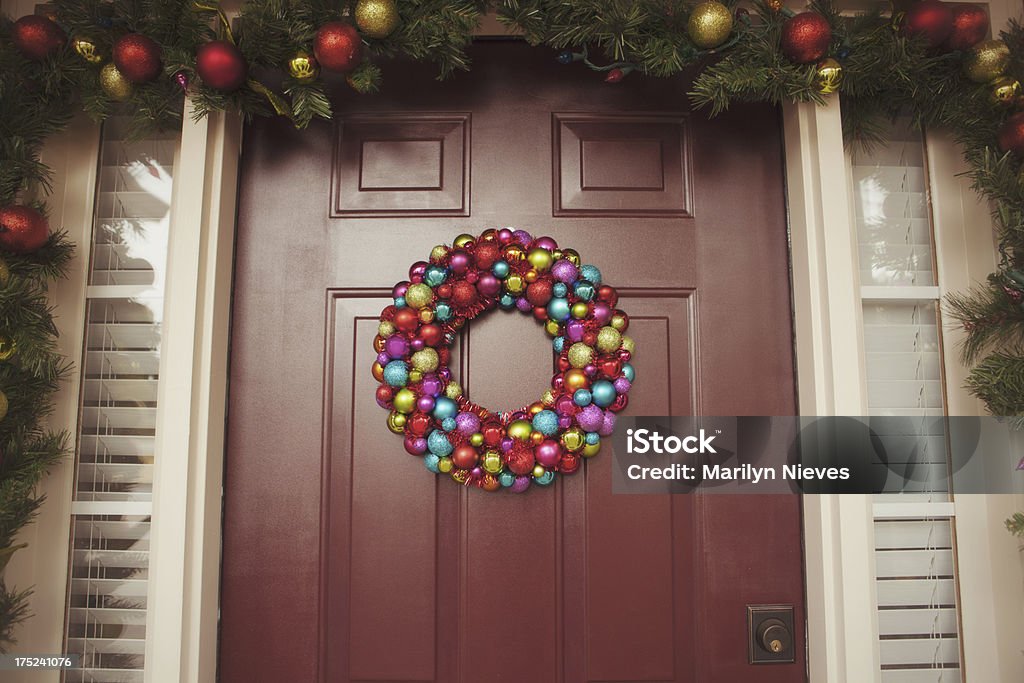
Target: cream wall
838,533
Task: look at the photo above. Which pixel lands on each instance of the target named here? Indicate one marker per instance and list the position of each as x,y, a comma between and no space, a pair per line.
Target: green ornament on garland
710,24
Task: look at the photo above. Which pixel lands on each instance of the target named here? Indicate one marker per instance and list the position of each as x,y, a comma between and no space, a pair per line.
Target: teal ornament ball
431,460
449,424
584,290
603,393
399,302
559,289
628,372
444,407
546,422
545,478
443,311
582,398
558,343
438,443
500,270
435,275
592,438
558,309
396,373
506,478
590,274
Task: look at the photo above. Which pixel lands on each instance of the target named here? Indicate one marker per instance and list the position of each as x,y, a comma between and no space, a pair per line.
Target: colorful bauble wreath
503,450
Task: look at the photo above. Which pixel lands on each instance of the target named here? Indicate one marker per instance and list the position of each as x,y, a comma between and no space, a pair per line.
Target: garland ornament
508,269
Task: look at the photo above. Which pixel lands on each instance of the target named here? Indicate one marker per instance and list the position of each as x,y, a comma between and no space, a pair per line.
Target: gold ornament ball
462,241
427,315
8,347
540,259
539,471
520,430
492,462
1005,90
117,87
415,375
830,76
514,283
575,379
628,344
418,295
87,50
460,476
404,401
3,405
572,256
553,328
5,272
573,440
580,355
608,339
476,440
438,253
396,422
619,322
548,398
591,449
386,328
426,360
579,310
303,66
536,408
987,60
710,24
774,5
445,465
453,390
377,18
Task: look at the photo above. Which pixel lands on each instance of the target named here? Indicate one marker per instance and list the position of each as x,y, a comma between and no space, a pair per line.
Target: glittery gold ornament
453,390
87,50
619,322
540,259
548,398
987,60
377,18
3,405
830,76
628,344
573,439
303,66
396,422
117,87
438,253
580,355
1005,90
608,339
386,328
520,429
552,328
710,24
415,375
774,5
427,315
492,462
418,295
462,241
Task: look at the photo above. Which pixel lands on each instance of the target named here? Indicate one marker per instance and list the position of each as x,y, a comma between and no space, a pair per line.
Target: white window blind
108,585
915,532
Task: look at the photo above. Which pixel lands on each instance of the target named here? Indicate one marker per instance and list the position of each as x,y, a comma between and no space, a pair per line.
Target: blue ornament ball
590,274
628,372
438,443
500,270
584,290
582,398
435,275
558,343
559,289
603,393
506,478
449,424
399,302
545,478
431,460
558,309
592,438
443,311
507,301
546,422
444,408
396,373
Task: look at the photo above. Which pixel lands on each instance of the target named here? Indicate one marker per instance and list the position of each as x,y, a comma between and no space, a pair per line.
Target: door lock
770,634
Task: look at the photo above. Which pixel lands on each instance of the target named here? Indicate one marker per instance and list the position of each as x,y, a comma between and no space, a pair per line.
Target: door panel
345,560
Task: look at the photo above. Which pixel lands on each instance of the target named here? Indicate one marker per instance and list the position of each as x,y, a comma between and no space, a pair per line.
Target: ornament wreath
509,269
926,58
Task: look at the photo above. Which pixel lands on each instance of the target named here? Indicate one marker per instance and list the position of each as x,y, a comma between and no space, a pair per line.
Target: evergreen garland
884,74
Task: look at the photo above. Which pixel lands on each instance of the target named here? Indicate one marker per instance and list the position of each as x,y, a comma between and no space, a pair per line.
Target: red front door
346,560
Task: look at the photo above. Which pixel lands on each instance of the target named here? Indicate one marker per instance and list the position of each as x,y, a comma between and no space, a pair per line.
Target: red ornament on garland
970,26
1011,135
929,19
22,229
337,46
37,37
137,57
221,65
806,37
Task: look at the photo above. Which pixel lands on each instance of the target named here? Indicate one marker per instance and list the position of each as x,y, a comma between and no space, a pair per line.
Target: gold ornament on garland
8,347
3,405
377,18
1005,90
303,66
87,50
830,76
5,272
117,87
987,60
774,5
710,24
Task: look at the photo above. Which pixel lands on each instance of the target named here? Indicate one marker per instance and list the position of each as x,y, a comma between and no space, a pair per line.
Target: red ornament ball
486,254
37,37
520,459
463,294
539,293
22,229
431,334
1011,135
929,19
805,38
137,57
465,457
337,46
221,65
970,26
406,320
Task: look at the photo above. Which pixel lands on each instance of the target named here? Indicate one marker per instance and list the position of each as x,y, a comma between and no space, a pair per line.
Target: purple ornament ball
383,358
506,444
467,423
548,453
608,425
505,235
488,285
431,385
590,418
396,346
546,243
425,403
622,385
417,270
400,289
565,271
520,485
523,304
575,330
602,313
459,261
417,344
522,237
